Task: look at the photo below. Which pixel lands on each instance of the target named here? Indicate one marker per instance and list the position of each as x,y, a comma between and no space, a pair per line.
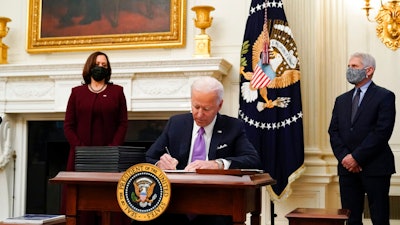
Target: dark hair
90,63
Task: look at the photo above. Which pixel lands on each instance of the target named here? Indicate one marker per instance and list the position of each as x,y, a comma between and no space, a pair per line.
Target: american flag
260,78
270,97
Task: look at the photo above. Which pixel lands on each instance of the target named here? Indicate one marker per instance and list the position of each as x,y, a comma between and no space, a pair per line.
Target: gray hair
366,59
209,84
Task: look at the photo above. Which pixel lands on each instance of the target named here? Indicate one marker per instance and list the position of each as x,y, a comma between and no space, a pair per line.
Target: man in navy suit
360,144
226,143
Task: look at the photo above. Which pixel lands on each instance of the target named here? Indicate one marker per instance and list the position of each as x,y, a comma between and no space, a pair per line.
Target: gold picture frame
121,24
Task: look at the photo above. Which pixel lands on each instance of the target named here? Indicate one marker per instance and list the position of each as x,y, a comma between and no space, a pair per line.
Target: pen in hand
172,162
166,149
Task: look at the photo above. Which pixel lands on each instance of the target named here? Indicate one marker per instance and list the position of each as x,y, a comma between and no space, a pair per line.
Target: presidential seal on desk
143,192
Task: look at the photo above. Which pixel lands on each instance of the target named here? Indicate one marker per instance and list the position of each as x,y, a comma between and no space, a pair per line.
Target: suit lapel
186,140
348,103
216,137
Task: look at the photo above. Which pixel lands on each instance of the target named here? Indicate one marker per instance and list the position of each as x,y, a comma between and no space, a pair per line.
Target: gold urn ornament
202,21
3,32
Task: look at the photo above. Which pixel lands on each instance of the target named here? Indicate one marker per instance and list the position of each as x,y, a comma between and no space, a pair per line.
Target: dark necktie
356,101
199,146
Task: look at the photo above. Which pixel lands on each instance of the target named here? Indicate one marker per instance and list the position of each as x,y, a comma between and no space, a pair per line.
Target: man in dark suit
360,144
226,143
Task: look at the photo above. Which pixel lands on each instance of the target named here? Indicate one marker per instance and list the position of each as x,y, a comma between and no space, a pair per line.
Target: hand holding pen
167,162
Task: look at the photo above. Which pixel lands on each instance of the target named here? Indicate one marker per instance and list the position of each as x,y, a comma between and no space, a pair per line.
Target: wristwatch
220,163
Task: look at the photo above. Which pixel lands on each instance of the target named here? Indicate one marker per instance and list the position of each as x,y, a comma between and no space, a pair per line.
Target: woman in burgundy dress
96,113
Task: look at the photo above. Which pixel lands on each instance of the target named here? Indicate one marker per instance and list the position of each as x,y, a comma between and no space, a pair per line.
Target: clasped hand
167,162
351,164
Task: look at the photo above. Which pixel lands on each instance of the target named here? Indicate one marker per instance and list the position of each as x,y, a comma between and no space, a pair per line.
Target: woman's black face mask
99,73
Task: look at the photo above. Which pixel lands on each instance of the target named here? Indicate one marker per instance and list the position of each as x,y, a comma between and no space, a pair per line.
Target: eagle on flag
270,97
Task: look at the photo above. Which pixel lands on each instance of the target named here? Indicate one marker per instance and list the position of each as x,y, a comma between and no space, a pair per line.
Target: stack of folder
45,219
107,158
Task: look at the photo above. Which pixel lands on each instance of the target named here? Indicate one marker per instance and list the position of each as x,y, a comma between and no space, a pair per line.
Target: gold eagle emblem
144,188
286,72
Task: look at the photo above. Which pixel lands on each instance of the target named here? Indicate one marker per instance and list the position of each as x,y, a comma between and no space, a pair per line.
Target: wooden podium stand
191,193
314,216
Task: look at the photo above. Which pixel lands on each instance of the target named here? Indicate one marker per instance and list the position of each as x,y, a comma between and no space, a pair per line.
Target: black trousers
353,189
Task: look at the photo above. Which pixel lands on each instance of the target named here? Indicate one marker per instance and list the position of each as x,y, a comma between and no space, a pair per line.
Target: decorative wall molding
156,85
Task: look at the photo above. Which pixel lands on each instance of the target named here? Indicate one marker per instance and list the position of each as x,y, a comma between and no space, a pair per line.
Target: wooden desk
314,216
191,193
30,223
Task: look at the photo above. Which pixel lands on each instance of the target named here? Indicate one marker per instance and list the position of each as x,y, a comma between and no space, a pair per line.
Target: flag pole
266,61
273,215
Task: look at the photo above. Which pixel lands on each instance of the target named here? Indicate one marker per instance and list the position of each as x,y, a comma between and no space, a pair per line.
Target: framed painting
79,25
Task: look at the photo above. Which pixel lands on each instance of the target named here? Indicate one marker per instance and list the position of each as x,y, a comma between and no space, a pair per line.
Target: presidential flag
270,98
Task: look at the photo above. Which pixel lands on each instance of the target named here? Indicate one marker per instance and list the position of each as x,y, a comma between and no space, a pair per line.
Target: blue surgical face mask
355,76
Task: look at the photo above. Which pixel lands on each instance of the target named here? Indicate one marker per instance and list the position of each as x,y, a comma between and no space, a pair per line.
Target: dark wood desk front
191,193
